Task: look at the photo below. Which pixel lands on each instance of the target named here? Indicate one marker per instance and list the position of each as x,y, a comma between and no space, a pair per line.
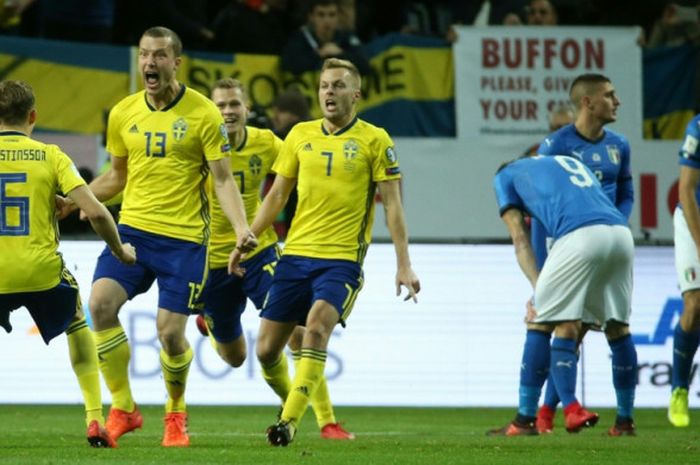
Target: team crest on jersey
596,158
350,149
255,165
613,153
391,155
690,274
223,131
179,129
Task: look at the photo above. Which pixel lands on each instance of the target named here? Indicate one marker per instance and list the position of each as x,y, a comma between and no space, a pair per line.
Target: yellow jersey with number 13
31,174
336,182
167,152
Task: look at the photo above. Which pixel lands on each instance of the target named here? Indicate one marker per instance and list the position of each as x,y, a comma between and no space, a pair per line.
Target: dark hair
163,32
16,101
294,102
585,84
589,78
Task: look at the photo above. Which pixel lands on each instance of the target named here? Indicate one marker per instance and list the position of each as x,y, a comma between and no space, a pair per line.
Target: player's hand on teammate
246,241
126,255
234,263
408,279
64,207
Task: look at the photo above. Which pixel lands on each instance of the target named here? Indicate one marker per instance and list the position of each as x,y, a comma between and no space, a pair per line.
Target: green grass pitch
52,434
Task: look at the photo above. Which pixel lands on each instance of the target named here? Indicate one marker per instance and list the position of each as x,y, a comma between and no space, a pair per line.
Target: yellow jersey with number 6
31,174
336,182
167,152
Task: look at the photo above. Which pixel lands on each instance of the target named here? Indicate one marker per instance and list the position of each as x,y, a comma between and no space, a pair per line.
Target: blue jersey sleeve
689,155
506,195
625,186
552,145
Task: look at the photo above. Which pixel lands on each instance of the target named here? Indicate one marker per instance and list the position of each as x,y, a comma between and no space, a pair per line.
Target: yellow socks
320,398
277,377
114,355
308,374
83,358
175,370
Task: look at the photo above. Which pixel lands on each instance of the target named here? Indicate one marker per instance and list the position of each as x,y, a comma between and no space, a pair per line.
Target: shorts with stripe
52,310
301,281
179,267
225,295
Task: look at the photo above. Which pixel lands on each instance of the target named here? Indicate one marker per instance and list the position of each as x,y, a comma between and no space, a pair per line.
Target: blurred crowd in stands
329,27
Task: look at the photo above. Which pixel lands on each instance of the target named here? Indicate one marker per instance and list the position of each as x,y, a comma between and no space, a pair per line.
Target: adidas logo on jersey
134,129
307,147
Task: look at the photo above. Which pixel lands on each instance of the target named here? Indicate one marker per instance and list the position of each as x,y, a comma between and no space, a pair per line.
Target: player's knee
173,342
316,336
615,330
266,355
235,358
103,311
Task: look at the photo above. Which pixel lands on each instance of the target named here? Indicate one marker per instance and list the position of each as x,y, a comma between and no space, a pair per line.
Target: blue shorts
301,281
179,266
52,310
225,295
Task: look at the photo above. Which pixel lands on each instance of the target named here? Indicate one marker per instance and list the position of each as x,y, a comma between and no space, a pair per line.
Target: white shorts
587,276
687,262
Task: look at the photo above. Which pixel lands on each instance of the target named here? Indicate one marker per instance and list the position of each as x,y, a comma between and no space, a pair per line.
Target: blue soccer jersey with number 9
559,191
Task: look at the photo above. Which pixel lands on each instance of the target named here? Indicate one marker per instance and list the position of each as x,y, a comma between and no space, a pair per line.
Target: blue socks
684,347
533,371
624,371
563,368
551,398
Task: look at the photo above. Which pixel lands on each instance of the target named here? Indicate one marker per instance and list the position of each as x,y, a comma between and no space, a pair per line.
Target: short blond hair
334,63
230,83
160,32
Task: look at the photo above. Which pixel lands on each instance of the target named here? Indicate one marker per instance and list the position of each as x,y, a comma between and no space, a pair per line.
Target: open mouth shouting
330,104
151,80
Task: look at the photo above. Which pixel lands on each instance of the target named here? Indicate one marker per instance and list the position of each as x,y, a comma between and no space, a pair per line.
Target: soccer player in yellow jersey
224,295
337,163
164,141
34,275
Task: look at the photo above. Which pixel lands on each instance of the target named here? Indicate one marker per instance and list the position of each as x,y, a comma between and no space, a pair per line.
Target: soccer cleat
175,434
622,428
515,428
336,431
120,422
678,408
97,436
202,325
280,434
578,418
545,420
